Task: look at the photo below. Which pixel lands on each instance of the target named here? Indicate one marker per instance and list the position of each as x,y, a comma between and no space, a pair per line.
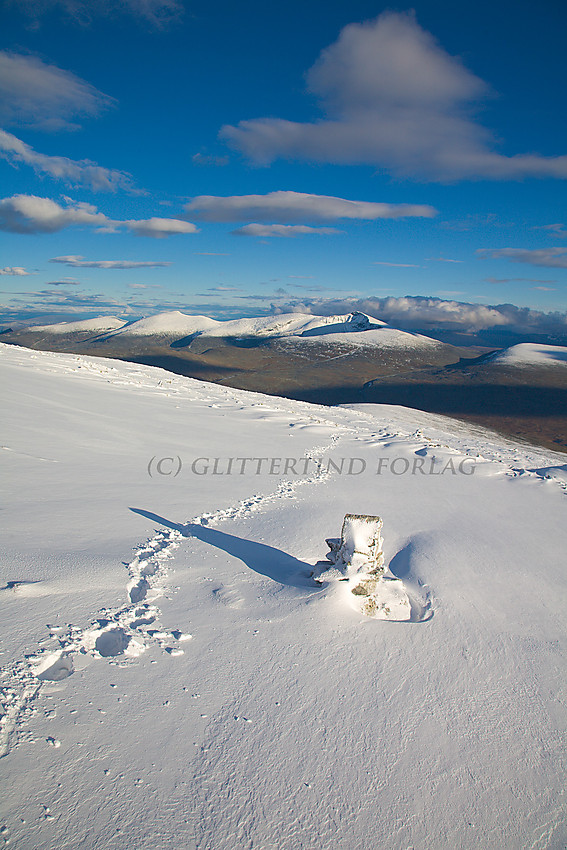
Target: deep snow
173,675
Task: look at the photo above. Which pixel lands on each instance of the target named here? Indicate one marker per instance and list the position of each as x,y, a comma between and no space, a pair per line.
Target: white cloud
442,260
397,265
392,98
15,271
31,214
157,13
160,227
223,289
74,172
79,262
36,94
73,301
282,230
66,282
208,159
555,258
554,230
516,280
285,207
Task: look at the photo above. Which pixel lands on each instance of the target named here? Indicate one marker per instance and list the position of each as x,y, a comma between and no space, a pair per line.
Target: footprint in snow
228,595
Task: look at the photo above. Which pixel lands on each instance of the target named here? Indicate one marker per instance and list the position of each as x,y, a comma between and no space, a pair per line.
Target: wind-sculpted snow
173,674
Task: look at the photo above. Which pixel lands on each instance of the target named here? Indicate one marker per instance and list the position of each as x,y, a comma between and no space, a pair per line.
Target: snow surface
173,323
532,354
384,337
174,677
103,323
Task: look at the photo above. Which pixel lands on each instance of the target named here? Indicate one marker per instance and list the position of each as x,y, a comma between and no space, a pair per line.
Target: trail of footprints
126,633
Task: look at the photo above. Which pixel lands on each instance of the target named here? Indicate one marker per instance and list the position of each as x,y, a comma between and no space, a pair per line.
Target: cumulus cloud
36,94
32,214
160,227
15,271
288,231
555,258
288,207
78,262
426,313
74,172
393,98
156,13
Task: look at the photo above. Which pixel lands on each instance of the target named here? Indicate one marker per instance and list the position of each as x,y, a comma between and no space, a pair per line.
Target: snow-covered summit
532,354
104,323
293,324
171,323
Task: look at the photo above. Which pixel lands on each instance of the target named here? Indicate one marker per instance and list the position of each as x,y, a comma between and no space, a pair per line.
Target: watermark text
305,467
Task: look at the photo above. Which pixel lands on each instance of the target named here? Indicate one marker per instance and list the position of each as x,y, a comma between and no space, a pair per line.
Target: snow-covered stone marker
358,559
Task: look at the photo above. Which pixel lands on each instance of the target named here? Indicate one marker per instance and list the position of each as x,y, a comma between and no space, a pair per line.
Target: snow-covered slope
173,323
532,354
173,676
104,323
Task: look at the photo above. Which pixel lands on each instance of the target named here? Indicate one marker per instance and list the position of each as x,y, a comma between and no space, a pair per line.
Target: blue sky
235,159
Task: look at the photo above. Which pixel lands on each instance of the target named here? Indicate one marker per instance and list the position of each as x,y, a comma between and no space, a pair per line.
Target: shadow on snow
265,560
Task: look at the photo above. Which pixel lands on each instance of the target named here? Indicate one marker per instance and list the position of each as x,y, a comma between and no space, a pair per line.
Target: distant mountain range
176,327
